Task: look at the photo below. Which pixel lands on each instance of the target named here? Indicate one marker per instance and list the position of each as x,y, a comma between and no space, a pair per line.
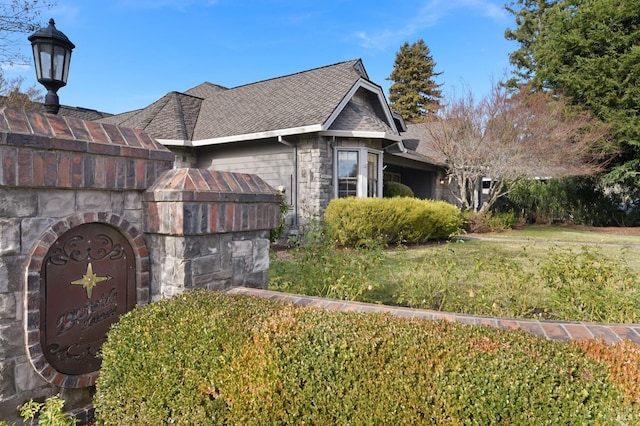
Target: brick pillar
209,229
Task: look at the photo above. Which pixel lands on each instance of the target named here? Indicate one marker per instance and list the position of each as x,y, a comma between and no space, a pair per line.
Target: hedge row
358,221
210,358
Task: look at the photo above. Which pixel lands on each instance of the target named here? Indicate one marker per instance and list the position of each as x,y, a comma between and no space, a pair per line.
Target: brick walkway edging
554,330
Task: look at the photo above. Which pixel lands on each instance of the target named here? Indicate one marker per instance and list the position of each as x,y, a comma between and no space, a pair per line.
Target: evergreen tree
414,93
588,50
530,18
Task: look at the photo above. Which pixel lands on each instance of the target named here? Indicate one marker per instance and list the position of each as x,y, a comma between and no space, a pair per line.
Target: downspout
294,178
334,168
295,184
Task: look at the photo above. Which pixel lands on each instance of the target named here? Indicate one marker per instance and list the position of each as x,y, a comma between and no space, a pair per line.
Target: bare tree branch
505,137
17,18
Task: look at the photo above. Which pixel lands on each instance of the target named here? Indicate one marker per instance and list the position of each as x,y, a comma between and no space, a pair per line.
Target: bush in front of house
360,221
396,189
212,358
480,223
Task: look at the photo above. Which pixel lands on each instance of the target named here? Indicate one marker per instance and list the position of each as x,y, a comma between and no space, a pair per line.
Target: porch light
51,55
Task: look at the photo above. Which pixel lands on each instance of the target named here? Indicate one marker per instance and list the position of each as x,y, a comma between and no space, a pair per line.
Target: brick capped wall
56,173
187,228
209,229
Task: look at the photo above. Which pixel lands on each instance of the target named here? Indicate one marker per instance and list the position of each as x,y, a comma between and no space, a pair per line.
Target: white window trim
361,191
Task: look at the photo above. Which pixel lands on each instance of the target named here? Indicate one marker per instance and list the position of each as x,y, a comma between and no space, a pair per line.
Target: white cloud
428,15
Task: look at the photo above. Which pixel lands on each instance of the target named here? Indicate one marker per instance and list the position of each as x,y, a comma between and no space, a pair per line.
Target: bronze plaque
88,281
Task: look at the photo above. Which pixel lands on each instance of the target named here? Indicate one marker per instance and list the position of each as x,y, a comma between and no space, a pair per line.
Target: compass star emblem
90,280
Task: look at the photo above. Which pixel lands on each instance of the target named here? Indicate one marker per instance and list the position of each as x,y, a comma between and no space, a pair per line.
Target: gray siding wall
272,161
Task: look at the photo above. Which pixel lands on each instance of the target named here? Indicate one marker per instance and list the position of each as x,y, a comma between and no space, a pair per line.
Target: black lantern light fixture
52,55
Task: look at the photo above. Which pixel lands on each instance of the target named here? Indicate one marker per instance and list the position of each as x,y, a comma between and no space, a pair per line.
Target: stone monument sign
88,281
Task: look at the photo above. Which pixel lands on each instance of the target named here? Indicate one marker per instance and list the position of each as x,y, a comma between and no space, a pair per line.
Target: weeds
319,269
533,282
48,413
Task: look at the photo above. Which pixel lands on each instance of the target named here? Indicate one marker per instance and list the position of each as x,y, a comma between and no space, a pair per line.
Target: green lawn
624,236
537,272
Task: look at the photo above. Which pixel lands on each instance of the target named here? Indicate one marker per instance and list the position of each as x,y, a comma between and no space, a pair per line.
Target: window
347,173
372,174
358,173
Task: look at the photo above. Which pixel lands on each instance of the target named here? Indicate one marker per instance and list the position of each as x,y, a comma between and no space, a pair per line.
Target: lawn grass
550,233
538,272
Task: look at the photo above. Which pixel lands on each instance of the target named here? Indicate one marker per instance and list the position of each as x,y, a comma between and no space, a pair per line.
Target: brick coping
553,330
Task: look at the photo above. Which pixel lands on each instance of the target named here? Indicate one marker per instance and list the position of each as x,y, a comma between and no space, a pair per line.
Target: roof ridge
180,113
296,73
208,83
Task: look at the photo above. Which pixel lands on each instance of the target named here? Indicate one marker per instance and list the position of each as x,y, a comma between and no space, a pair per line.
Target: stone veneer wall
315,175
57,173
209,229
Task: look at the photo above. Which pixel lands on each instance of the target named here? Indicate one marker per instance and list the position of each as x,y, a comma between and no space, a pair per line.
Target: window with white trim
372,174
358,172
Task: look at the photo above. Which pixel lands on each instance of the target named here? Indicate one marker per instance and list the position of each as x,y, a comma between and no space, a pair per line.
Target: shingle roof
209,111
173,116
205,90
297,100
418,141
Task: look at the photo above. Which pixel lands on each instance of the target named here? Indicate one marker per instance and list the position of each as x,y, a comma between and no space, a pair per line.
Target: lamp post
52,55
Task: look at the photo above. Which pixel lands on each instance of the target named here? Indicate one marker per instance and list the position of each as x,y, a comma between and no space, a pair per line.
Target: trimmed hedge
358,221
396,189
211,358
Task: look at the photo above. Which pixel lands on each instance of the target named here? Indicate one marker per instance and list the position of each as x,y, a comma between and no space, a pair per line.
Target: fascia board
362,134
259,135
175,142
362,83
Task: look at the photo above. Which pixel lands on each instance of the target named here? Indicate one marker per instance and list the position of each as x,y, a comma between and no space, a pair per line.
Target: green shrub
478,223
565,284
396,189
582,200
489,284
277,233
359,221
206,358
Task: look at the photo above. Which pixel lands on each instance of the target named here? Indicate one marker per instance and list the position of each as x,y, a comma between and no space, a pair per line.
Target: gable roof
308,101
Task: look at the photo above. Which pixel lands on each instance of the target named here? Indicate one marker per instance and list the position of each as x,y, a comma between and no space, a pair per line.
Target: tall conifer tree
588,50
414,93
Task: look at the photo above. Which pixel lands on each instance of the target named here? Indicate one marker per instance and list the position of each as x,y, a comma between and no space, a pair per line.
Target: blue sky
129,53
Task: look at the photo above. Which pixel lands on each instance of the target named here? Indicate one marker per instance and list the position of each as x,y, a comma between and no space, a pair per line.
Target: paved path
555,330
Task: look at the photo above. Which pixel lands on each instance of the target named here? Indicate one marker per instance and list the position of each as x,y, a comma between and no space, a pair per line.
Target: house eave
419,158
362,134
175,142
259,135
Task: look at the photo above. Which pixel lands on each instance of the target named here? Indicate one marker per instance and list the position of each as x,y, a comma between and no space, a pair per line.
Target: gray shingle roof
173,116
418,141
210,111
303,99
